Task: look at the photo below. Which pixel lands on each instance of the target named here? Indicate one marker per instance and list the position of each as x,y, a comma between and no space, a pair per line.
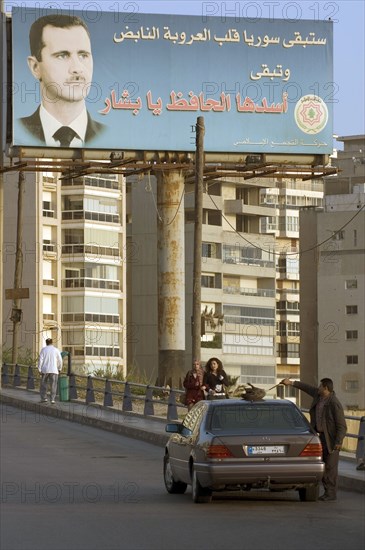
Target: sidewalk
149,429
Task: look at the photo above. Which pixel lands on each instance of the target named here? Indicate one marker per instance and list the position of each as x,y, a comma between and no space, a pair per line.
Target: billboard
140,82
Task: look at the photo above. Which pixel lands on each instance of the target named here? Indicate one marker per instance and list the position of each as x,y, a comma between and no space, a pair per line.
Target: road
68,486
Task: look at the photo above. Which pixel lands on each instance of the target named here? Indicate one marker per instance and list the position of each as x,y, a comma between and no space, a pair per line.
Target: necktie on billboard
64,135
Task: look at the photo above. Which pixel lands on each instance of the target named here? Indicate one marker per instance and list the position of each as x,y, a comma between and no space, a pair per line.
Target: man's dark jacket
33,125
333,419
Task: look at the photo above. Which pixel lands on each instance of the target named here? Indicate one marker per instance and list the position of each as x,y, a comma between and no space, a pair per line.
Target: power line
287,253
318,245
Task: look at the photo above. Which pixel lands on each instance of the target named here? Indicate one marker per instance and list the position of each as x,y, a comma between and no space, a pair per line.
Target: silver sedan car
233,444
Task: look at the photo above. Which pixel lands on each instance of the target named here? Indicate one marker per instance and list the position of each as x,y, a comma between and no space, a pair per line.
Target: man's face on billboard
66,66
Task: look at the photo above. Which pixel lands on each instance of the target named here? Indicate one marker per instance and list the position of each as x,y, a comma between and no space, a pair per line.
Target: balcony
88,215
248,261
49,282
48,316
262,292
49,247
90,317
87,282
90,249
48,213
288,291
238,206
91,182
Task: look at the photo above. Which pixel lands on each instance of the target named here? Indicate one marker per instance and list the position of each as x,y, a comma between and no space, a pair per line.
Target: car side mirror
173,428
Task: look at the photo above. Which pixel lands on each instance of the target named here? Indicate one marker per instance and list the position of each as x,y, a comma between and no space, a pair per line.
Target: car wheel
200,494
309,494
172,486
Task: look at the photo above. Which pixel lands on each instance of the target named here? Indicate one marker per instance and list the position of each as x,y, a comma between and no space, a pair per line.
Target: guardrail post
72,390
17,380
108,397
148,404
30,380
4,375
360,449
127,399
171,407
90,398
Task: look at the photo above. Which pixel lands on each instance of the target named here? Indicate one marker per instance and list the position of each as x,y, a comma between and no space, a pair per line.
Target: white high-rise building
73,264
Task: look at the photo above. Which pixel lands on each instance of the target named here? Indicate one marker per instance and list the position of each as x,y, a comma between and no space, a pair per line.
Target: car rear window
258,418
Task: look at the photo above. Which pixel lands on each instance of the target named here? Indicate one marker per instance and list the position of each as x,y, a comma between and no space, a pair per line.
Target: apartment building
332,278
73,264
250,275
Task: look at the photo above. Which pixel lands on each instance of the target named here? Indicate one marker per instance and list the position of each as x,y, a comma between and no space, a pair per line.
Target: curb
127,425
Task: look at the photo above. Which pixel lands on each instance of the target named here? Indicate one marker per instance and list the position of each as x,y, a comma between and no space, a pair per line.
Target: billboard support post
197,267
170,277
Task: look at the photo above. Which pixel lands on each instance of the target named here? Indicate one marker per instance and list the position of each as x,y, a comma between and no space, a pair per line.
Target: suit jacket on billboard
33,125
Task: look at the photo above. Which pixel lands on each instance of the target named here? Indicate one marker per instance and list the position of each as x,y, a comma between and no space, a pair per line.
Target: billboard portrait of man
61,60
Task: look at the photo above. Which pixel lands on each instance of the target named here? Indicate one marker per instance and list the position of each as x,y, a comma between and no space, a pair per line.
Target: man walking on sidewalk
328,419
49,366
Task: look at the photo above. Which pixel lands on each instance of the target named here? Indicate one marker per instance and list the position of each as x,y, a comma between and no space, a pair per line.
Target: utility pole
198,223
2,103
16,315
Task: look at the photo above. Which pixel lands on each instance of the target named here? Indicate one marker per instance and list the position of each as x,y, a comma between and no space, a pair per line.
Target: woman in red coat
193,385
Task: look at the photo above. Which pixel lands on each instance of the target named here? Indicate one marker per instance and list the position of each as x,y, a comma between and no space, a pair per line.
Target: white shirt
50,125
50,360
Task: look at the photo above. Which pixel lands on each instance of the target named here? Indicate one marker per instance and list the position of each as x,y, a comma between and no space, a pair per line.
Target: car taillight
218,451
312,449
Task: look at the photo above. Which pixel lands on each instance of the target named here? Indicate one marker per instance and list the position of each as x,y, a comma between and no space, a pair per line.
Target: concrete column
171,277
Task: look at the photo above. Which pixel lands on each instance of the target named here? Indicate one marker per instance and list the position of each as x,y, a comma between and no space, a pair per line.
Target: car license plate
266,450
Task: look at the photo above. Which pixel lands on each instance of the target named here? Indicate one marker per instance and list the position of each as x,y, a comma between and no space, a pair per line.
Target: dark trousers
330,478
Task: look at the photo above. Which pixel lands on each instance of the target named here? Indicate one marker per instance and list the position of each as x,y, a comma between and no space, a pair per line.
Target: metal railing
144,399
133,397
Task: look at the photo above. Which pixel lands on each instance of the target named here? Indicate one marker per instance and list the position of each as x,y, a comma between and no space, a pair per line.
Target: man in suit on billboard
61,59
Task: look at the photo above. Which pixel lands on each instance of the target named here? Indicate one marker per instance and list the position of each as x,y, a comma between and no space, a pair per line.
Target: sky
348,18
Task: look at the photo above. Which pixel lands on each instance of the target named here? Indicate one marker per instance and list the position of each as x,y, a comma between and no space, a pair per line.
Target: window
351,334
283,305
352,385
208,281
288,350
210,250
351,283
352,359
260,418
338,235
248,315
212,217
293,329
351,310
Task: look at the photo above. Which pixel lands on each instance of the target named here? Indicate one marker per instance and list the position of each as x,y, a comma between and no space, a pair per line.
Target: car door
183,443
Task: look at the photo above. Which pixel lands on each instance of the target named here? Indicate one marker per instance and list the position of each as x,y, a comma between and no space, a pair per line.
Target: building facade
73,248
250,275
332,278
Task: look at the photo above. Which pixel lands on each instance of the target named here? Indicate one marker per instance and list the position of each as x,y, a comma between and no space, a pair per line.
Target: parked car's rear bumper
229,473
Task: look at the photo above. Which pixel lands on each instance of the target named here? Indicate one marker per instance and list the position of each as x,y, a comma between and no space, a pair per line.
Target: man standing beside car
328,419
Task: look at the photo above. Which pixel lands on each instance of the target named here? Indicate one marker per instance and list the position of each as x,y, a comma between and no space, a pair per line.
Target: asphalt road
68,486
